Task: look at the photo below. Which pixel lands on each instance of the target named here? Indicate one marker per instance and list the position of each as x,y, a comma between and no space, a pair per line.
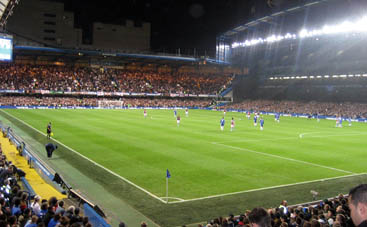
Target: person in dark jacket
50,148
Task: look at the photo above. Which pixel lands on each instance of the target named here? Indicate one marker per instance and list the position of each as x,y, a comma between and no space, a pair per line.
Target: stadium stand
29,78
332,109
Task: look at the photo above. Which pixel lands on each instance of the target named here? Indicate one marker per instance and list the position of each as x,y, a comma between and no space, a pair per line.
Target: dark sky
185,24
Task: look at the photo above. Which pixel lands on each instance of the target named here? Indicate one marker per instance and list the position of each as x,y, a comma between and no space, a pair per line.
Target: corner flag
168,174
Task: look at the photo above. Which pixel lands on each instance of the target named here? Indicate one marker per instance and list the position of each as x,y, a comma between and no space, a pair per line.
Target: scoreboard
6,48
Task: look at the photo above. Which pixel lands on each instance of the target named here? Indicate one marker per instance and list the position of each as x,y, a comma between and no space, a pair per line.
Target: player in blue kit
255,119
350,121
340,122
276,117
222,122
261,124
174,113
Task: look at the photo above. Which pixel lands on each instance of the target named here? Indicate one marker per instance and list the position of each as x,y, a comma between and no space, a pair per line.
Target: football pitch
205,162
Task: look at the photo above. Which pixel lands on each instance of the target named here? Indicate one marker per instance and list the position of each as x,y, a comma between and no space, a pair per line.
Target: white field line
173,198
267,188
306,133
288,159
254,140
291,137
113,173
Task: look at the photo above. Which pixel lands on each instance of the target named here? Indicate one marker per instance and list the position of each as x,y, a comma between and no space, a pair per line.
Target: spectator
36,208
32,222
60,208
358,205
54,221
259,218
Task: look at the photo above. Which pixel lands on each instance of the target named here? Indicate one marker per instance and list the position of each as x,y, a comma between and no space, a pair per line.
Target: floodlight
303,33
271,39
311,77
319,77
343,76
357,75
364,75
288,36
326,76
235,44
335,76
351,75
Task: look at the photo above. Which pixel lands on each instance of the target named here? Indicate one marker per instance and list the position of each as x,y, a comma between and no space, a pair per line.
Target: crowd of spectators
18,209
346,109
62,78
327,213
94,102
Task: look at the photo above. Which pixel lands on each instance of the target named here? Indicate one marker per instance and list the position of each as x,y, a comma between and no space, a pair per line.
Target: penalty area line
285,158
268,188
95,163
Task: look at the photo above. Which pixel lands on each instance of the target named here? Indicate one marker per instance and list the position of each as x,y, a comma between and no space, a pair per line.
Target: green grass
203,160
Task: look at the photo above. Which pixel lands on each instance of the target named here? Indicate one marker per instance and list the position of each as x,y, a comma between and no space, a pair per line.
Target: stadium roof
122,57
6,10
274,18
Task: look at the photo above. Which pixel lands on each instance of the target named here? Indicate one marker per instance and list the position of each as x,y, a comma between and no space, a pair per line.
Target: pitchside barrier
93,216
50,176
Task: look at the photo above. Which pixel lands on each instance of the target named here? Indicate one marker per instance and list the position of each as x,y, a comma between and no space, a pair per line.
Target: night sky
184,24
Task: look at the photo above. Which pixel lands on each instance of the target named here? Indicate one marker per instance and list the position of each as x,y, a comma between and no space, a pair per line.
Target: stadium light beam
359,26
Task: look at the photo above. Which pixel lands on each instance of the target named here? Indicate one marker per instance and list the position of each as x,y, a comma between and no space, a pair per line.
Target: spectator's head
77,211
37,198
71,209
64,221
44,206
34,219
358,204
52,201
259,218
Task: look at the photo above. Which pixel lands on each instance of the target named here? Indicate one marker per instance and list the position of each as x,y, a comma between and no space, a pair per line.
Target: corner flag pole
166,189
168,175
